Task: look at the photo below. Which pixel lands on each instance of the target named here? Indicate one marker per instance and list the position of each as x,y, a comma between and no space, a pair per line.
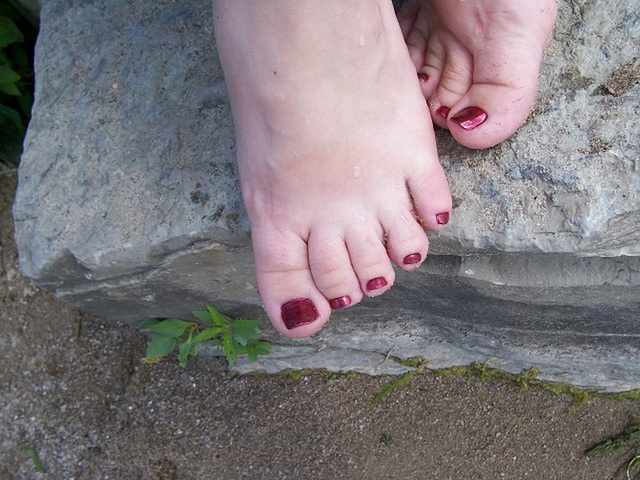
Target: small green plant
628,438
37,463
420,366
396,384
233,337
16,82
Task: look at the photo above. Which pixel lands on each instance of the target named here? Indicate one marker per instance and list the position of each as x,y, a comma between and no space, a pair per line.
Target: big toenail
443,111
442,218
412,259
376,283
297,312
340,302
470,118
424,78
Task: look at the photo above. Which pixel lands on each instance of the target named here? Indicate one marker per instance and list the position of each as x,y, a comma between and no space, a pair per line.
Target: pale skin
478,54
336,150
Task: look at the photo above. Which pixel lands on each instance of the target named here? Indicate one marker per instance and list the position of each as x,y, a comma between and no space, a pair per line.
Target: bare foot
478,62
336,152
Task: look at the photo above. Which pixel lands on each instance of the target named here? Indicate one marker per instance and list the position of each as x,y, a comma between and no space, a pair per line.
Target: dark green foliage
17,38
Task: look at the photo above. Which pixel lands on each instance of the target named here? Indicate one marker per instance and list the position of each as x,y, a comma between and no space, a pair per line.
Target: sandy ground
77,402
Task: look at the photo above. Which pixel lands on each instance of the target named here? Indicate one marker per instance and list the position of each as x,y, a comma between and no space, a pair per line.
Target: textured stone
129,203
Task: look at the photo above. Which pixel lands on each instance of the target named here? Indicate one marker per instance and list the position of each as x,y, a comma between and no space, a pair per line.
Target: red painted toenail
442,218
470,118
412,259
443,111
376,283
423,77
340,302
297,312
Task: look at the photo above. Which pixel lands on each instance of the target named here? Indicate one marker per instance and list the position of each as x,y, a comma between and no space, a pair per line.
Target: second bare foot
478,62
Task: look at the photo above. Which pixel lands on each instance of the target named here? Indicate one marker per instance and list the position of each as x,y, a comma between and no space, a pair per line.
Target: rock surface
129,204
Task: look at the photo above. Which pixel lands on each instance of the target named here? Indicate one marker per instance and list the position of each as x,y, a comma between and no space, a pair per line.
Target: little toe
431,198
407,242
331,269
288,293
370,261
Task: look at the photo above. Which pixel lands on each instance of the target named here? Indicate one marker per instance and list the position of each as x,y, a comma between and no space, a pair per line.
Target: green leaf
8,79
9,32
188,349
240,349
10,89
399,382
171,327
218,318
228,348
159,346
259,348
208,334
262,348
148,322
7,75
245,331
12,116
203,316
630,434
37,463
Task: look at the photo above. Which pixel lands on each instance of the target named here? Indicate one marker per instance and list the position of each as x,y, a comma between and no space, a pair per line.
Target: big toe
490,113
288,293
485,104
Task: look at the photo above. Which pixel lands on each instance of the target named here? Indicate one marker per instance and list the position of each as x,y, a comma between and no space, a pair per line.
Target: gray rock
129,204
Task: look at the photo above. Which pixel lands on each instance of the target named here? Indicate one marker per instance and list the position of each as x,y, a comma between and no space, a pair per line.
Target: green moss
480,370
523,381
398,383
305,372
412,362
633,395
459,371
